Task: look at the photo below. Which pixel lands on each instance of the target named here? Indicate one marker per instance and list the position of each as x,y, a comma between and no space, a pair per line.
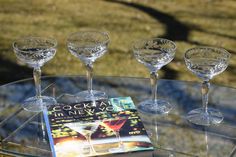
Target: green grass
207,22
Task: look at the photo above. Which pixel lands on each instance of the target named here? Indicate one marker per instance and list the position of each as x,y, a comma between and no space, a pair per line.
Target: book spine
45,114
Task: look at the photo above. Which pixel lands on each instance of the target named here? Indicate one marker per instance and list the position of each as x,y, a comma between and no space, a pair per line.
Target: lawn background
188,23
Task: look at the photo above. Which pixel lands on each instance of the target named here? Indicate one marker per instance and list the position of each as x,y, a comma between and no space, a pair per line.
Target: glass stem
205,91
153,79
43,128
89,68
92,150
121,145
206,140
37,81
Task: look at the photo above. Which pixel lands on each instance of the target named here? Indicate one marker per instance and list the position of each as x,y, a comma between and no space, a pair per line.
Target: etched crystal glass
205,63
154,53
88,46
35,52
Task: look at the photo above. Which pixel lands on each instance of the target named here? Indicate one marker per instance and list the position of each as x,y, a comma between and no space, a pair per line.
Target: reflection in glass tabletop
23,133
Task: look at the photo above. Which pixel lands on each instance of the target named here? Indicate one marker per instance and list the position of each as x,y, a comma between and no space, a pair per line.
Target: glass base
155,107
90,96
200,117
35,104
117,150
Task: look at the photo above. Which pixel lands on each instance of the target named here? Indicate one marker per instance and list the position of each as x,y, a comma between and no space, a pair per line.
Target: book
103,127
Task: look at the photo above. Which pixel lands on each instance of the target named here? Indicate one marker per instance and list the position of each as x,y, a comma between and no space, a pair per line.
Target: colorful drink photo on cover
85,128
115,124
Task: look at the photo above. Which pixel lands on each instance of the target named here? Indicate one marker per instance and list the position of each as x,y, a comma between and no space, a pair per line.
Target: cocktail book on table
96,128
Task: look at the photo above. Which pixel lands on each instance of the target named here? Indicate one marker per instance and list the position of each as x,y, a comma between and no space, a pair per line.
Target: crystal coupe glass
206,62
35,51
154,53
88,46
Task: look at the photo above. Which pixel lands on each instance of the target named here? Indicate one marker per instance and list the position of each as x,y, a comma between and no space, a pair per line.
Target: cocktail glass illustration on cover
89,46
154,53
115,124
206,62
36,51
85,128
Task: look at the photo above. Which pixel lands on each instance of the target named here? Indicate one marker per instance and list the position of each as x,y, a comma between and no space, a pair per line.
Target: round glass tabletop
23,133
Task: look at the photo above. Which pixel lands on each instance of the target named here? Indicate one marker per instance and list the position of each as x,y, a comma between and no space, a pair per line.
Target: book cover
96,128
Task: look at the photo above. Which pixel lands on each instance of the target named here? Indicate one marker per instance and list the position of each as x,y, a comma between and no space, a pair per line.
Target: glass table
23,133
